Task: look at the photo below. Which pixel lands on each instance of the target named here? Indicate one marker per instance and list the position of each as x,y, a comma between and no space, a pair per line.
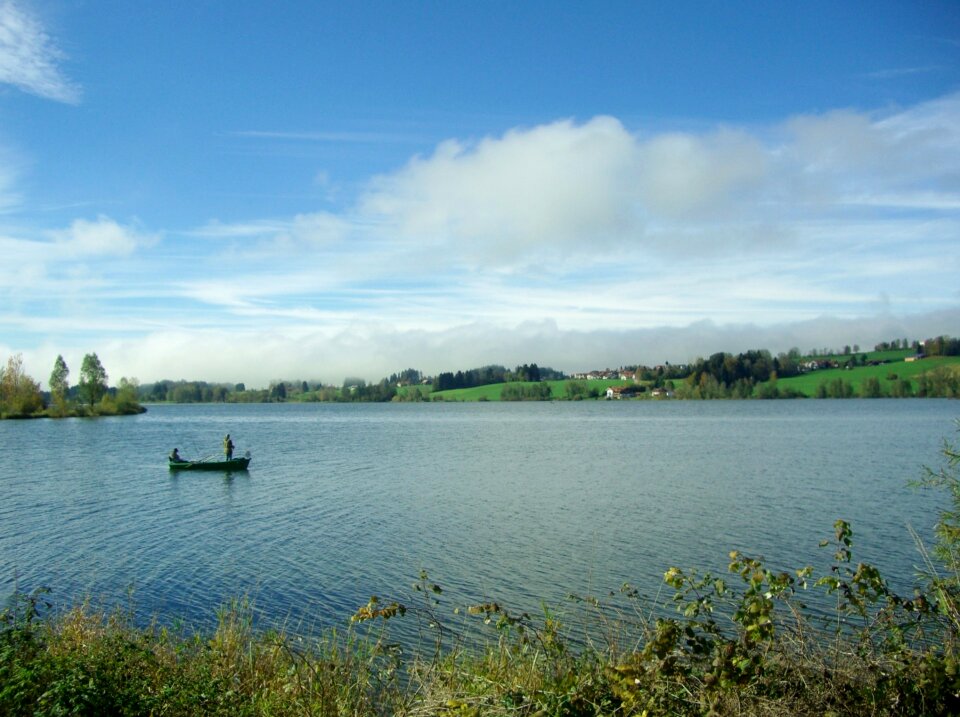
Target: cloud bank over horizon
257,359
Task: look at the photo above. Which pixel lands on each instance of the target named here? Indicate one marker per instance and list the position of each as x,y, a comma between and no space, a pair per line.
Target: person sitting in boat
228,447
175,456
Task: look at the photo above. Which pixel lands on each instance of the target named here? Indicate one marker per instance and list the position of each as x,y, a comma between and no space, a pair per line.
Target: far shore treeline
893,369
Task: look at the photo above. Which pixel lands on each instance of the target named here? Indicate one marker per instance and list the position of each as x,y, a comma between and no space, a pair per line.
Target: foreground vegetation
740,644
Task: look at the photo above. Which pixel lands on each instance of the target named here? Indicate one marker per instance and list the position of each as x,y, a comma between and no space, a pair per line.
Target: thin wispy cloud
29,58
900,72
332,137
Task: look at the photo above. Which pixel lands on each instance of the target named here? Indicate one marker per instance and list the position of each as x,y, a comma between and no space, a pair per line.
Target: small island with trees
21,397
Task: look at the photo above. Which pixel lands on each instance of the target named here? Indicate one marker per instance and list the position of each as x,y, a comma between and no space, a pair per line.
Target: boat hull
234,464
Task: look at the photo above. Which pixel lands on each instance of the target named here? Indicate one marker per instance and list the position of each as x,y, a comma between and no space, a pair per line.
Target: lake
519,503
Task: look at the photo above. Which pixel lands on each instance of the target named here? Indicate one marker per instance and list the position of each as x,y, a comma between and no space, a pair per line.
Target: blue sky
254,191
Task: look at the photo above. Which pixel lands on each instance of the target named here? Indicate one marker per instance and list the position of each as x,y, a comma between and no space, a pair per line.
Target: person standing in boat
227,447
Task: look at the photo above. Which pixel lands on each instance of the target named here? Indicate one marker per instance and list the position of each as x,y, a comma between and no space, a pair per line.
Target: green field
887,374
491,392
891,355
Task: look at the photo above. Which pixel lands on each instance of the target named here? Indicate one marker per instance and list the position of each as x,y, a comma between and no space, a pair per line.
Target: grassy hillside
491,392
891,355
887,374
892,375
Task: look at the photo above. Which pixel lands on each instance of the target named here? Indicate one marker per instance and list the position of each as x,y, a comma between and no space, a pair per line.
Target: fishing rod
196,452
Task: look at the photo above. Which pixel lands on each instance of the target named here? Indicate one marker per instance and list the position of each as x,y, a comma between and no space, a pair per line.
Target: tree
185,392
901,388
19,394
444,381
58,379
835,388
871,388
93,379
519,392
528,373
576,390
59,386
127,396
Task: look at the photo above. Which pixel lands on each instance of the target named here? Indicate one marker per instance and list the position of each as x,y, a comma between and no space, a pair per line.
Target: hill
896,378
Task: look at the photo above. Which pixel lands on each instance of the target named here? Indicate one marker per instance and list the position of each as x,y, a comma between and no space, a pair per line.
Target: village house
628,391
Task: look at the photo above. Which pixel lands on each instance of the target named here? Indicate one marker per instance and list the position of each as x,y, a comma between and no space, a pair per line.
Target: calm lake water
520,503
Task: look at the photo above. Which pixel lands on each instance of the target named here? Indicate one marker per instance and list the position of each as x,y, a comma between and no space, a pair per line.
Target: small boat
209,464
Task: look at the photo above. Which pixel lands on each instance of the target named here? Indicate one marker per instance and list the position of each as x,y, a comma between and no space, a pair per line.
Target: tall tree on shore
58,378
59,385
93,379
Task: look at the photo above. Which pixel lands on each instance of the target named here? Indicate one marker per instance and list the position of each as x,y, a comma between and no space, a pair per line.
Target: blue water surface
520,503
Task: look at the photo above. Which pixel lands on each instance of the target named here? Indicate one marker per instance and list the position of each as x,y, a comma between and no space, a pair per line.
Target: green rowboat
234,464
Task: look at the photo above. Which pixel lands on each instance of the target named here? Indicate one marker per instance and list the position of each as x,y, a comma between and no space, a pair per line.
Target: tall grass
734,644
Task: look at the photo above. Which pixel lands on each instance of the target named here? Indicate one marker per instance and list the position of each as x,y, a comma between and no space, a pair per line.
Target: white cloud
92,259
29,59
557,187
595,191
102,237
687,176
844,154
838,141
